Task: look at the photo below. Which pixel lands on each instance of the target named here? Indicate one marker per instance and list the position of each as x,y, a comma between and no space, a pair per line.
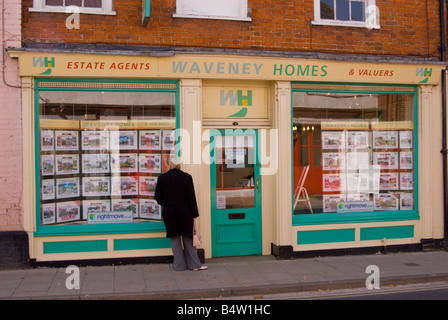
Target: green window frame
95,85
358,217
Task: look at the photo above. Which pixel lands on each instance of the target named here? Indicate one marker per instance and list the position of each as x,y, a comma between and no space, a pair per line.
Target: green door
235,193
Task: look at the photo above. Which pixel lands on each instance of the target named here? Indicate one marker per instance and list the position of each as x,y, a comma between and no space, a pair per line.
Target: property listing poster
108,169
368,165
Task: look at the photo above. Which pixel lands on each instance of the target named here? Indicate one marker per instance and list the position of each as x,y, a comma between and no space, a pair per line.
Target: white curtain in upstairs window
212,9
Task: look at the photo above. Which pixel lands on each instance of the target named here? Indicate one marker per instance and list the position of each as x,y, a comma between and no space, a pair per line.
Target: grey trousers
186,257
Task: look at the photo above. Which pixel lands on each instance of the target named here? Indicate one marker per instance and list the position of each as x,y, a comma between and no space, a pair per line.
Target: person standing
175,193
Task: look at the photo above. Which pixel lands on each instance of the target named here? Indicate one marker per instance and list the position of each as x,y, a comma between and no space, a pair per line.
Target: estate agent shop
288,155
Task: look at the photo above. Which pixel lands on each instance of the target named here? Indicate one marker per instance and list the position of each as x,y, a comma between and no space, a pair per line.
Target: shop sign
222,67
218,67
425,73
110,217
236,98
355,206
48,63
234,102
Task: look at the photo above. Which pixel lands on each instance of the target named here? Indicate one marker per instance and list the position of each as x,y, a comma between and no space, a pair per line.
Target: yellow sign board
234,102
182,66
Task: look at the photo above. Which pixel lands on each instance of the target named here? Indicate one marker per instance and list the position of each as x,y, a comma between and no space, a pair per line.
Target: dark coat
175,193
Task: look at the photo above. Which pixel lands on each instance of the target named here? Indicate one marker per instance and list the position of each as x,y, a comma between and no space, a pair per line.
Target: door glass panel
235,160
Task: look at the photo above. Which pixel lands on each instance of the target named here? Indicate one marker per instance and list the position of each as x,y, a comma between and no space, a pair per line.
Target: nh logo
424,72
44,62
235,98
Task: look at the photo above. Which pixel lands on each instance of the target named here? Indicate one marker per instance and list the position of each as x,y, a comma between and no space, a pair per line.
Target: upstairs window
84,6
349,13
212,9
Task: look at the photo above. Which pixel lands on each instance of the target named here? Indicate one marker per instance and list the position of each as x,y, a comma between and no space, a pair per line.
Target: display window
354,150
100,149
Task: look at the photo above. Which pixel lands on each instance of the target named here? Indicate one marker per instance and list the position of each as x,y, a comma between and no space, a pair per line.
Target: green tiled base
348,235
142,244
325,236
75,246
101,245
379,233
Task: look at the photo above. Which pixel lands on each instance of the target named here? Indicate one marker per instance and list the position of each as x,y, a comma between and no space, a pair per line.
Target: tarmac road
419,291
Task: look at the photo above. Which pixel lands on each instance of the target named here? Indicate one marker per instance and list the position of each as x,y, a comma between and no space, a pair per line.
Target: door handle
258,180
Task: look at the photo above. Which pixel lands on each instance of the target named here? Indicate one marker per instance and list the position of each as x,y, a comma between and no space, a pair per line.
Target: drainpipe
4,48
444,126
444,154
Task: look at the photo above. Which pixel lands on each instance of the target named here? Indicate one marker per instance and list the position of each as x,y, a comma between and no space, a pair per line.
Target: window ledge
357,217
81,10
86,229
336,23
191,16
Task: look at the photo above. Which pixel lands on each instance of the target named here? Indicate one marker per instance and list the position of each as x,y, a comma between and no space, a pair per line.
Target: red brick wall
409,28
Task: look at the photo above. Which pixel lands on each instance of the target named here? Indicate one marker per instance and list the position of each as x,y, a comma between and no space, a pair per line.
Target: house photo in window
101,151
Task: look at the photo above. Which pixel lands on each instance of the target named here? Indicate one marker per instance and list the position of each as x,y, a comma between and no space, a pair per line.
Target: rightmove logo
355,206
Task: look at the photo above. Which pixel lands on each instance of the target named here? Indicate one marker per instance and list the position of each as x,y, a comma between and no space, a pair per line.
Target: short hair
173,160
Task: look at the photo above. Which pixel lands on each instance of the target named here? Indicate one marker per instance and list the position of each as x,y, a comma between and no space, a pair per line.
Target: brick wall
409,28
11,215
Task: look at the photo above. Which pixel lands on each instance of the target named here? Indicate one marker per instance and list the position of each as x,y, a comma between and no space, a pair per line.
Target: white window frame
369,23
212,9
39,6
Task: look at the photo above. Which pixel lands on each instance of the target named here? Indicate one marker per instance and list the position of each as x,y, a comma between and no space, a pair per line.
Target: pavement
225,278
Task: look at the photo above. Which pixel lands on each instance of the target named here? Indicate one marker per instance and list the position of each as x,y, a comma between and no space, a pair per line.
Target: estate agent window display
360,149
101,152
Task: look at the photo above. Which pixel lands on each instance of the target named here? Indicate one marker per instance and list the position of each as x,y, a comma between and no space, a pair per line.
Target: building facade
307,125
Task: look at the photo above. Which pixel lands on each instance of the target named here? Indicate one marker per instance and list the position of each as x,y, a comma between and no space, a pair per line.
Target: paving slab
97,281
129,279
36,283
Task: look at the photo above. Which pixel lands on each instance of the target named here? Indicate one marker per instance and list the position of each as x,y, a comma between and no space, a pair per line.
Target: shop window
101,148
84,6
212,9
352,13
357,148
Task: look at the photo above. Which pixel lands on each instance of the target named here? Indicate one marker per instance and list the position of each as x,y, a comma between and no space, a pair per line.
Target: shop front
287,155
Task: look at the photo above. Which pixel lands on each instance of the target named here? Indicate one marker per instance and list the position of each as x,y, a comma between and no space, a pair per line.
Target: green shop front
289,156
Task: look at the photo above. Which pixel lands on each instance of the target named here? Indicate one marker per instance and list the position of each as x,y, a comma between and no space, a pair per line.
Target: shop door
235,194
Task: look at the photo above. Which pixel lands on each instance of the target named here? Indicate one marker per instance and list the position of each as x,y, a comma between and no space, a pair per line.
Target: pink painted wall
11,213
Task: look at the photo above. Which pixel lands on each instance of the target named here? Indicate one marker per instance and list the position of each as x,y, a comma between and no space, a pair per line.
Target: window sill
190,16
341,218
86,229
81,11
334,23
